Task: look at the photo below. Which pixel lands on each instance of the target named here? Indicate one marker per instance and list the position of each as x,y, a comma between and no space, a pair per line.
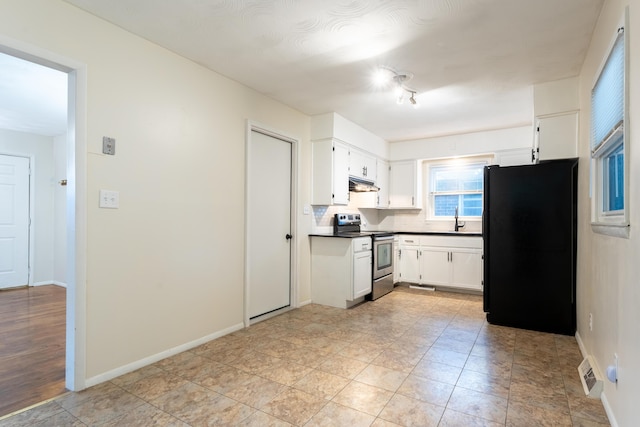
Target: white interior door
14,221
268,224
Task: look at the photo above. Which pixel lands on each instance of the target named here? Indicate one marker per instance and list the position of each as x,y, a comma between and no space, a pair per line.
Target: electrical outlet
109,199
590,322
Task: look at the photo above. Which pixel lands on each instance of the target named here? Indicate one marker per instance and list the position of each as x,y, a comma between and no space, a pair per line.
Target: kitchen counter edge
423,233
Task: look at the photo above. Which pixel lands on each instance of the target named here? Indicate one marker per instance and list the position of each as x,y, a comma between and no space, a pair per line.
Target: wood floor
32,346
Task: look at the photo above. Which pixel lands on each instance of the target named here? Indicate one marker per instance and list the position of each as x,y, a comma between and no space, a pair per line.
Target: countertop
425,233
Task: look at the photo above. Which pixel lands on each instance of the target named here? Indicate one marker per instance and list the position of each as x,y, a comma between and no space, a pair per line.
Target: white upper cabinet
382,181
404,185
362,165
557,136
330,173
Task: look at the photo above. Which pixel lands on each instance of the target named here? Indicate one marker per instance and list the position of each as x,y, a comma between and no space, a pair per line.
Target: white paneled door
269,240
14,221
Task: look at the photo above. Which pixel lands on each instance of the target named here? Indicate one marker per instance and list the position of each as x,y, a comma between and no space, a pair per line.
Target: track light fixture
389,77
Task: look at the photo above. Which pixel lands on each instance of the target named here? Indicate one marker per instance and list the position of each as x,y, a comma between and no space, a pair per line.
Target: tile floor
411,358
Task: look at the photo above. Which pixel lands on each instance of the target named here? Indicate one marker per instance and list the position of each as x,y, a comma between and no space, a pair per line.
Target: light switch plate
109,199
108,145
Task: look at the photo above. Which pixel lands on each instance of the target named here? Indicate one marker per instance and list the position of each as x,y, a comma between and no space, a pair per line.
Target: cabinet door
410,264
403,185
382,181
362,165
435,267
557,136
340,174
361,274
466,269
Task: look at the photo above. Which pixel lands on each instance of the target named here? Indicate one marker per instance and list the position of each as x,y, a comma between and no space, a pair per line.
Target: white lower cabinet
340,270
451,261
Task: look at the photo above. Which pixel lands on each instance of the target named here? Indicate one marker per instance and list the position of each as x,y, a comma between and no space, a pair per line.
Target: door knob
288,236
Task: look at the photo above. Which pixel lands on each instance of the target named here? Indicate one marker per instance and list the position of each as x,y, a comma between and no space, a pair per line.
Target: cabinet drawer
361,244
409,240
452,241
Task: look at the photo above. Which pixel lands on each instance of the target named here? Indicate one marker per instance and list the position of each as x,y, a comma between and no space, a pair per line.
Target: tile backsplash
413,220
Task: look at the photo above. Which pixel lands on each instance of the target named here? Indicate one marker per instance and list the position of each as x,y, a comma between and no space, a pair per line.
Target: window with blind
609,150
456,186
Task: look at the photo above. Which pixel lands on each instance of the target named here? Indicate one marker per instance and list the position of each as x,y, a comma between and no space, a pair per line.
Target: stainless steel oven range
382,266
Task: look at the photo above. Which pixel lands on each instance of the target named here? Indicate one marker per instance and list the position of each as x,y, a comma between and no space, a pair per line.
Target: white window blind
607,99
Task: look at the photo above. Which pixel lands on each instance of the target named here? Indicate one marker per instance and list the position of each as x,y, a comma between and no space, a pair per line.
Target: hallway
32,346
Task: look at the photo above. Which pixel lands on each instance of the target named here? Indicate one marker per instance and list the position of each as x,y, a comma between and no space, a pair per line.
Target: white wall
40,150
608,267
166,269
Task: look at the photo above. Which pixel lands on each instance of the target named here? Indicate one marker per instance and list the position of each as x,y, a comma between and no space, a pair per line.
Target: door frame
76,229
252,126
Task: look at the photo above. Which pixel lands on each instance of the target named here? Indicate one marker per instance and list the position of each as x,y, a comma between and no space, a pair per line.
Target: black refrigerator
529,231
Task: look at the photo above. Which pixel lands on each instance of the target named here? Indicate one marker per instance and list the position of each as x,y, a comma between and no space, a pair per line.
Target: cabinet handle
417,254
399,253
412,200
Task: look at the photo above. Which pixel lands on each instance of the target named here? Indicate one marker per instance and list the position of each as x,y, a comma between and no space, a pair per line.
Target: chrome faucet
459,224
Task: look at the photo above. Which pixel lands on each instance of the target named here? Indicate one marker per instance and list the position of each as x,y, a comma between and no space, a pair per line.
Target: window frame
604,221
450,162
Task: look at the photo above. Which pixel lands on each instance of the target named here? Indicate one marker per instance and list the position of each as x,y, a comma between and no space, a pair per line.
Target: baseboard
608,410
50,282
114,373
581,346
303,303
603,396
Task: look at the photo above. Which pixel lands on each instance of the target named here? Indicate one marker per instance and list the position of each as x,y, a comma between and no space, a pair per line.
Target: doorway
270,243
73,225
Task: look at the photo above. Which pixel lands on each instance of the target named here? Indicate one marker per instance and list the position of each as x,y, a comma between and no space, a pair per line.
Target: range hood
359,185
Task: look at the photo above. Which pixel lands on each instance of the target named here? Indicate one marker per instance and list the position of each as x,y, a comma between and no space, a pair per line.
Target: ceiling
473,61
33,98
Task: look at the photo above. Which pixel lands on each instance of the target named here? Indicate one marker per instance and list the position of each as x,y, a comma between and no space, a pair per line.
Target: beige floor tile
285,372
446,356
362,352
484,383
35,415
105,407
145,415
260,419
154,386
489,407
379,422
321,384
406,411
495,367
522,415
589,409
254,362
337,415
255,392
307,356
437,371
294,406
426,390
342,366
363,397
452,418
381,377
222,378
397,361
